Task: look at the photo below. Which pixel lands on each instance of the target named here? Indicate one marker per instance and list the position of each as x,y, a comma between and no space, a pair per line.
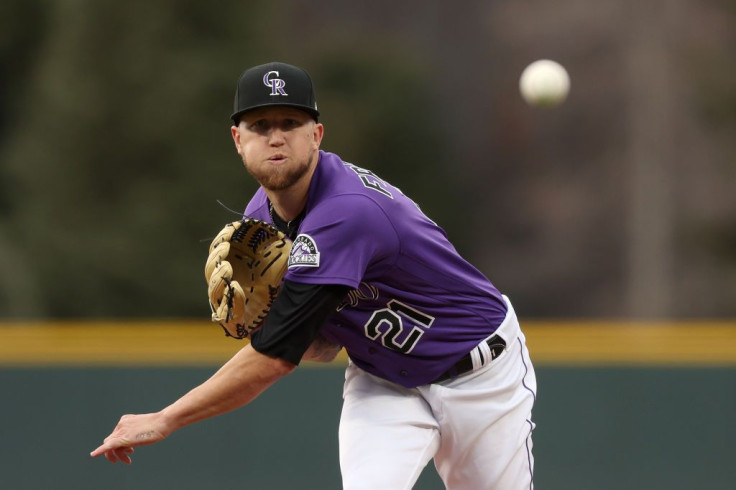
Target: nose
276,137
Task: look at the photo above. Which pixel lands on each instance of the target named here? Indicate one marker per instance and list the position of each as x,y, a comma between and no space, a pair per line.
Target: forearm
237,383
234,385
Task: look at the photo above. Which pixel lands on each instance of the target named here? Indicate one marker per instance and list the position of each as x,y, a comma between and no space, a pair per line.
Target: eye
259,125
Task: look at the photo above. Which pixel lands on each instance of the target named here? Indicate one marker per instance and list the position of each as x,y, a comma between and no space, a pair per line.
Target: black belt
465,365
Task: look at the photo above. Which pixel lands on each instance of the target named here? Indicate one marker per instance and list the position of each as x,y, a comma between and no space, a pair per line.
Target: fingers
114,454
98,451
122,454
119,454
131,431
114,447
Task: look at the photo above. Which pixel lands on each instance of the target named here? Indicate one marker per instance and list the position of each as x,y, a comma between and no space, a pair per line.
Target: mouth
277,158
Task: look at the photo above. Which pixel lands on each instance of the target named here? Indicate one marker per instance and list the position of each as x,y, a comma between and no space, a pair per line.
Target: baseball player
438,368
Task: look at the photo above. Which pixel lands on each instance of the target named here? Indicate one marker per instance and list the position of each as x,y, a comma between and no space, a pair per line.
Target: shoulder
352,212
349,199
336,177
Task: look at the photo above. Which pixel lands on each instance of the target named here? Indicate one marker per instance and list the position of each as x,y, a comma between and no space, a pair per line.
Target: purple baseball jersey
416,306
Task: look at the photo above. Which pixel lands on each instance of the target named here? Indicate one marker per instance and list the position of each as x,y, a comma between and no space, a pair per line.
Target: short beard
280,178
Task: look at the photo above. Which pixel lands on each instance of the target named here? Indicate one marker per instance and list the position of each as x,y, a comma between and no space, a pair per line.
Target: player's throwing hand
131,431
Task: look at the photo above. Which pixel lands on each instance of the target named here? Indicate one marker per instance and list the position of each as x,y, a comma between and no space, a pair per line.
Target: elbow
270,368
281,367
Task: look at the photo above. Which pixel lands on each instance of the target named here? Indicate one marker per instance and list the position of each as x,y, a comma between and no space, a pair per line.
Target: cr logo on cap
277,85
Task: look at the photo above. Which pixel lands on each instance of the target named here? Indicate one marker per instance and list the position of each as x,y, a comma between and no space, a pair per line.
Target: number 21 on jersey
388,325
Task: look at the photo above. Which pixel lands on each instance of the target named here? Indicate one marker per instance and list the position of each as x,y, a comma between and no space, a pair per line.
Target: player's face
278,145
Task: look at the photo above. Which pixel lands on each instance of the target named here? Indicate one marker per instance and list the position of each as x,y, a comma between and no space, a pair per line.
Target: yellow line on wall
170,342
196,343
611,343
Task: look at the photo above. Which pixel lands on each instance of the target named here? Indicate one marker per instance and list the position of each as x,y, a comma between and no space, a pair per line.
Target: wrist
169,419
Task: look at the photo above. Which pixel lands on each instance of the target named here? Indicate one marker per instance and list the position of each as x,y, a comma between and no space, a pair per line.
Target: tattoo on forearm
322,350
144,435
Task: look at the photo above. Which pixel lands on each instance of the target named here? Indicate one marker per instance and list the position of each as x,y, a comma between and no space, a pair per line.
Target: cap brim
312,112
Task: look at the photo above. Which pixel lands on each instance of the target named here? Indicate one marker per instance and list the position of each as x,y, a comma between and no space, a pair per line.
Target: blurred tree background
115,144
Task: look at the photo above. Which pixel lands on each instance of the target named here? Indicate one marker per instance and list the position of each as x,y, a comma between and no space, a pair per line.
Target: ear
318,134
236,137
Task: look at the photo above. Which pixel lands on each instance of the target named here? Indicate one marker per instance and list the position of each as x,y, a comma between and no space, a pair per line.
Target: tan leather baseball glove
245,267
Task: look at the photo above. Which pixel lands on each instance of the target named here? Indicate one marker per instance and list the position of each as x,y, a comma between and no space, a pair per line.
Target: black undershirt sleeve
295,319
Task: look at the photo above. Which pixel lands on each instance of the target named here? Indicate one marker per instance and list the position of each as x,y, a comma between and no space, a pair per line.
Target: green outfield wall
611,425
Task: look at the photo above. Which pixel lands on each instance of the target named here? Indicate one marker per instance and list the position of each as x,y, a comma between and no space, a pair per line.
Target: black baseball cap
274,84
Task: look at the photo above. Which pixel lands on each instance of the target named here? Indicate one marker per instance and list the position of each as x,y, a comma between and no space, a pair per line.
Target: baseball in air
544,83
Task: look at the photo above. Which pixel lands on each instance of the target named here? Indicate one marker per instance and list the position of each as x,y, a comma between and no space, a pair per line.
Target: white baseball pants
477,427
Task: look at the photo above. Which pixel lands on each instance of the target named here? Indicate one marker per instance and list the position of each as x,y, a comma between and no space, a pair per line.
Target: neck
288,205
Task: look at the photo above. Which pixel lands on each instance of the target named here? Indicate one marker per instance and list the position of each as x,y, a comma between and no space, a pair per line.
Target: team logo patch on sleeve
304,252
